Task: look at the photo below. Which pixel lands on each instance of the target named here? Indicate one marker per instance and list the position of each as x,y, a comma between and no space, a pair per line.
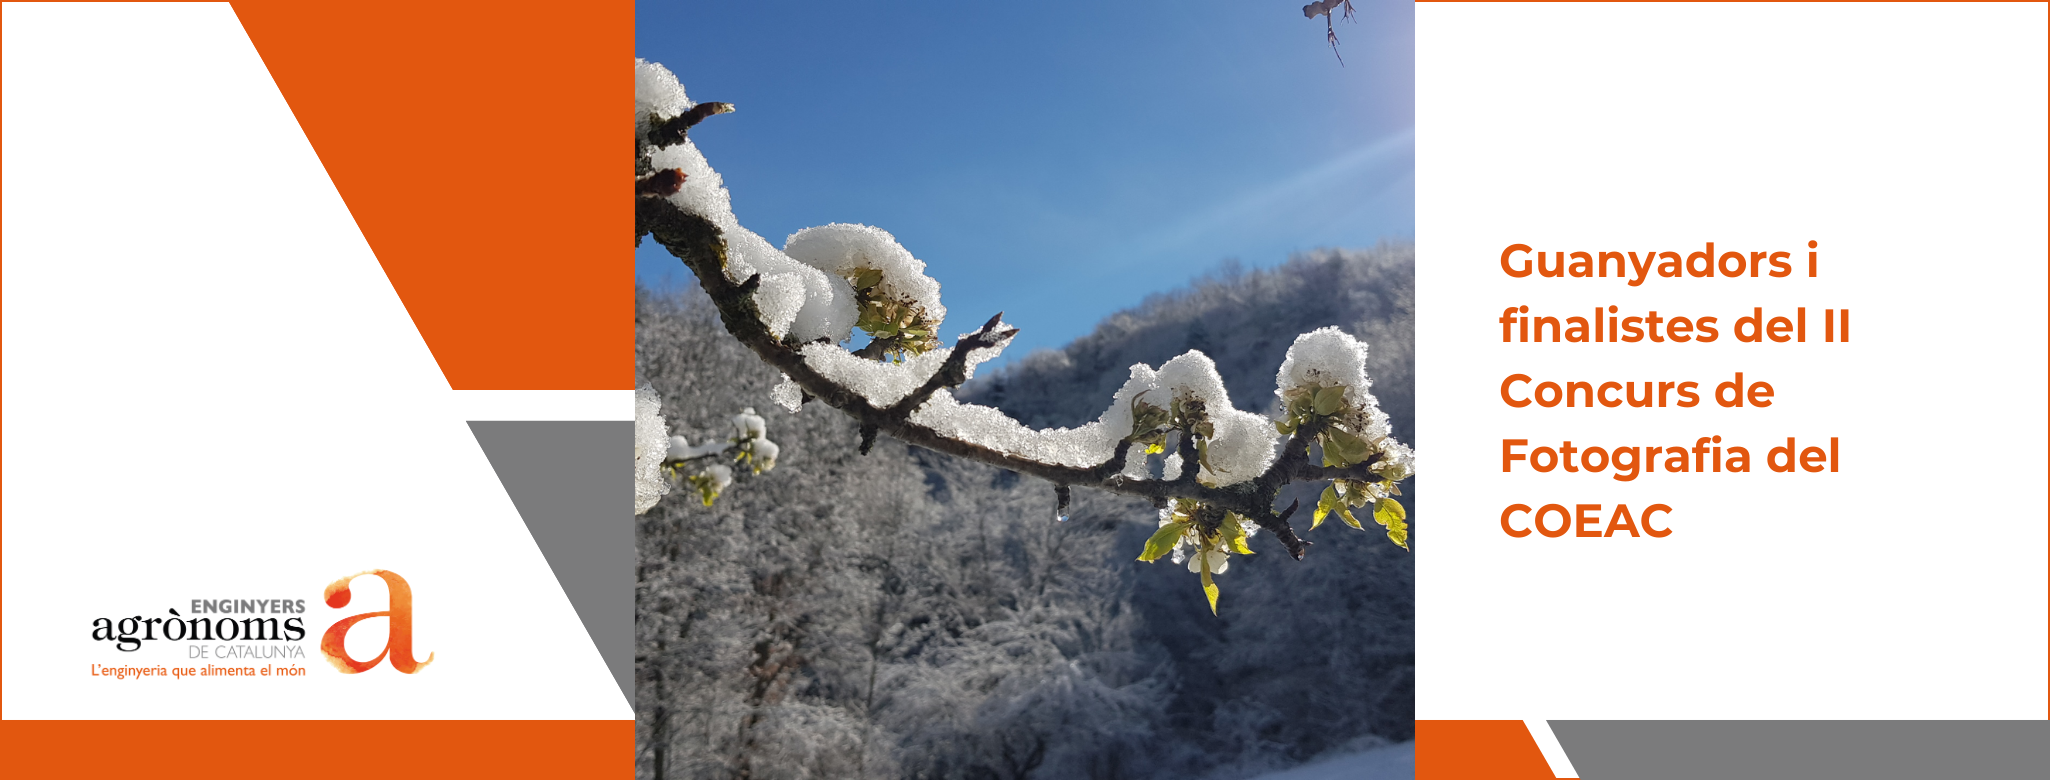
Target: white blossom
1398,461
721,475
765,452
748,425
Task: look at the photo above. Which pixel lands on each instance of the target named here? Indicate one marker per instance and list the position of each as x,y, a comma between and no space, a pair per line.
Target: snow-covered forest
906,614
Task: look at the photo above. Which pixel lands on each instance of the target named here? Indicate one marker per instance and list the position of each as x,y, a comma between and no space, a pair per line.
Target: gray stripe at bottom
1806,749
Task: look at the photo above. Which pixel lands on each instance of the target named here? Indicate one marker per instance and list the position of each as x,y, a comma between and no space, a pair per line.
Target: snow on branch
795,307
663,461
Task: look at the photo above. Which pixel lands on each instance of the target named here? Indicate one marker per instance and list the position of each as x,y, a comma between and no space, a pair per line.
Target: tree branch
698,243
955,370
702,247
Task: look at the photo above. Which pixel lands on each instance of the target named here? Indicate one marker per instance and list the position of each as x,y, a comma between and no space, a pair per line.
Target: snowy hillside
908,614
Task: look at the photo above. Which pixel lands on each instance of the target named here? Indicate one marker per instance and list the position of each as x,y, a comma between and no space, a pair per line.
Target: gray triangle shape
568,479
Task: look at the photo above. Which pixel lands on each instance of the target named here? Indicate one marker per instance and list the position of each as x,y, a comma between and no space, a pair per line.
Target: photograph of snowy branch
1141,507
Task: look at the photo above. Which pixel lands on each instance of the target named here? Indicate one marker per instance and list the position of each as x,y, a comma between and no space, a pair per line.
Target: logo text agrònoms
259,620
129,633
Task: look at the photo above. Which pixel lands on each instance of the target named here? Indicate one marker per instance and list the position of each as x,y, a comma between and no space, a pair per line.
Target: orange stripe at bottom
318,749
1478,750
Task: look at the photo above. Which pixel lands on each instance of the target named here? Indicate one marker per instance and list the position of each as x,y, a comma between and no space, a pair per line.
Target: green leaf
1356,448
1162,541
868,278
707,489
1389,512
1147,419
1234,534
1324,504
1286,427
1349,519
1342,448
1329,400
1209,589
1398,532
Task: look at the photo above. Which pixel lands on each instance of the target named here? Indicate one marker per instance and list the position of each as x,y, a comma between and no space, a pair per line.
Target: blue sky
1057,161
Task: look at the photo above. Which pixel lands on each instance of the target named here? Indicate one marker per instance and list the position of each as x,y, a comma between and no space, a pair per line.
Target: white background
1910,142
212,391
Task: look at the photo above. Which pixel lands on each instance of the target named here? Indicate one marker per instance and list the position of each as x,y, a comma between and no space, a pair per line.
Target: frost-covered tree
894,573
1251,693
1171,435
871,616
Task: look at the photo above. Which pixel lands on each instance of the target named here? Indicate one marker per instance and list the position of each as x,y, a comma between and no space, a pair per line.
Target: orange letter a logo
399,644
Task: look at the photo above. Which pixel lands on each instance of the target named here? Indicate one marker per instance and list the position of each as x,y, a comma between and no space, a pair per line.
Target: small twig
1278,525
955,370
728,451
672,131
660,183
1324,8
875,349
